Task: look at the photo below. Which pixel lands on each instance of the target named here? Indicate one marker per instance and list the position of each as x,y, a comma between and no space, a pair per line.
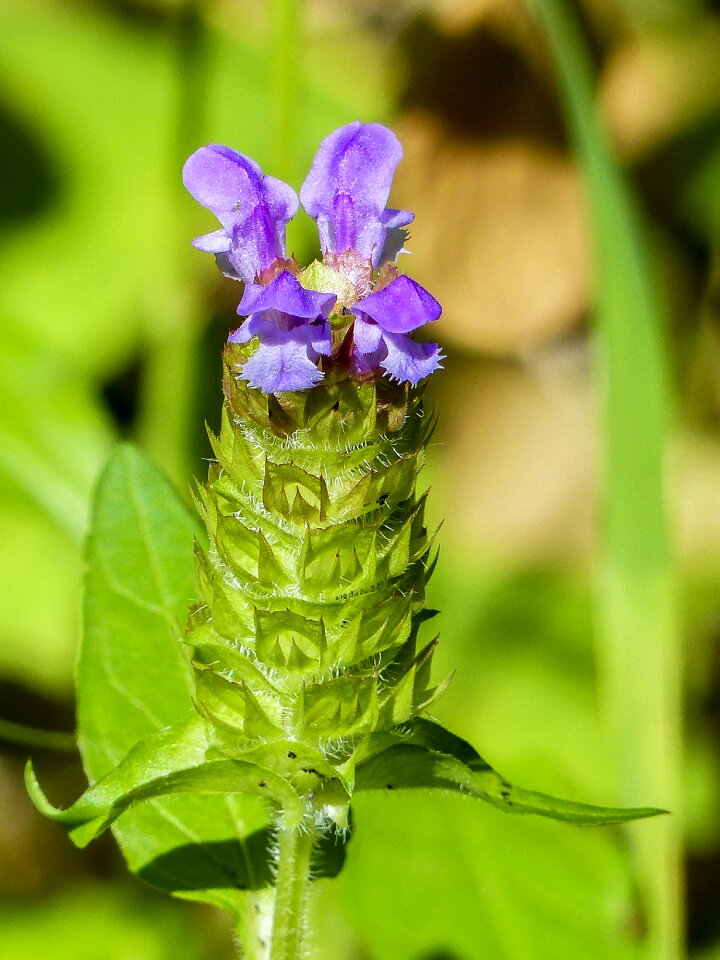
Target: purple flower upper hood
348,187
253,209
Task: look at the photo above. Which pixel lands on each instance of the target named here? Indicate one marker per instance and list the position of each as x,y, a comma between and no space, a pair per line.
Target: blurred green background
544,468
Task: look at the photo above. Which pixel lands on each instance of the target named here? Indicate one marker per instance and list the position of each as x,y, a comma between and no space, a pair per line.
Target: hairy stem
292,886
272,924
253,925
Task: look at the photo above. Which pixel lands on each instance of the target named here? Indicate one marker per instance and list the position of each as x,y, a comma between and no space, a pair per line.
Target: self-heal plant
310,680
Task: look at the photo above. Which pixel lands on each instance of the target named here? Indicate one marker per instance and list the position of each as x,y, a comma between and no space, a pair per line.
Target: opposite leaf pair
138,515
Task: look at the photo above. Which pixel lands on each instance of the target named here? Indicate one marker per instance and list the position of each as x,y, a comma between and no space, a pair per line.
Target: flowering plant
300,678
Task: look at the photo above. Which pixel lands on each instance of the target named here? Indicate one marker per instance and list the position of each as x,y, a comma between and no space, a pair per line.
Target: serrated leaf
133,681
415,764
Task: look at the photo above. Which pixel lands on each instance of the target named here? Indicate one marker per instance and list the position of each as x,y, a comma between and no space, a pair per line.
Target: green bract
313,587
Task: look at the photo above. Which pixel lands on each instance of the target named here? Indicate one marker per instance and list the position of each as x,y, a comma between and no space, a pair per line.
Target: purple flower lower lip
382,321
291,324
401,306
287,295
286,359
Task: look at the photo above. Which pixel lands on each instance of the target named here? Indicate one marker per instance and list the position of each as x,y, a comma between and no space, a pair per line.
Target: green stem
273,921
253,925
292,886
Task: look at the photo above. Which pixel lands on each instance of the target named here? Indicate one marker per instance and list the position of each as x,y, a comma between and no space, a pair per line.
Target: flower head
373,309
383,320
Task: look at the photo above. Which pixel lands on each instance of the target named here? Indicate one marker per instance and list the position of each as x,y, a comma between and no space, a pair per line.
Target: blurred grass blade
53,434
25,736
638,642
284,79
170,376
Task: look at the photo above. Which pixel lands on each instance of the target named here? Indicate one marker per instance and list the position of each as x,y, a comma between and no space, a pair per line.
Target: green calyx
313,589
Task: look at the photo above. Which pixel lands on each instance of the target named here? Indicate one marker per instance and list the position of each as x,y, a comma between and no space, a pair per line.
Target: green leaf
133,682
171,761
472,884
413,764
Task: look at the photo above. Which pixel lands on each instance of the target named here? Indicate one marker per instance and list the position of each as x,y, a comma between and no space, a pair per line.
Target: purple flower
292,327
347,189
382,321
346,192
253,210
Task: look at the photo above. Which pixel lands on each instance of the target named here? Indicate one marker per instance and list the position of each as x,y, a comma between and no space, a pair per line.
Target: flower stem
253,924
292,885
272,924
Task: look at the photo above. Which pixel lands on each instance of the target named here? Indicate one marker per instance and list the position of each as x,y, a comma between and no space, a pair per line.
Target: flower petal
395,222
367,337
286,294
216,242
254,210
393,219
401,306
253,327
408,360
281,363
348,186
222,180
319,339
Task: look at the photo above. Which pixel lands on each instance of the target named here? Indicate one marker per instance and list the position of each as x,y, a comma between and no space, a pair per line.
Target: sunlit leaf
133,681
432,757
428,875
171,761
